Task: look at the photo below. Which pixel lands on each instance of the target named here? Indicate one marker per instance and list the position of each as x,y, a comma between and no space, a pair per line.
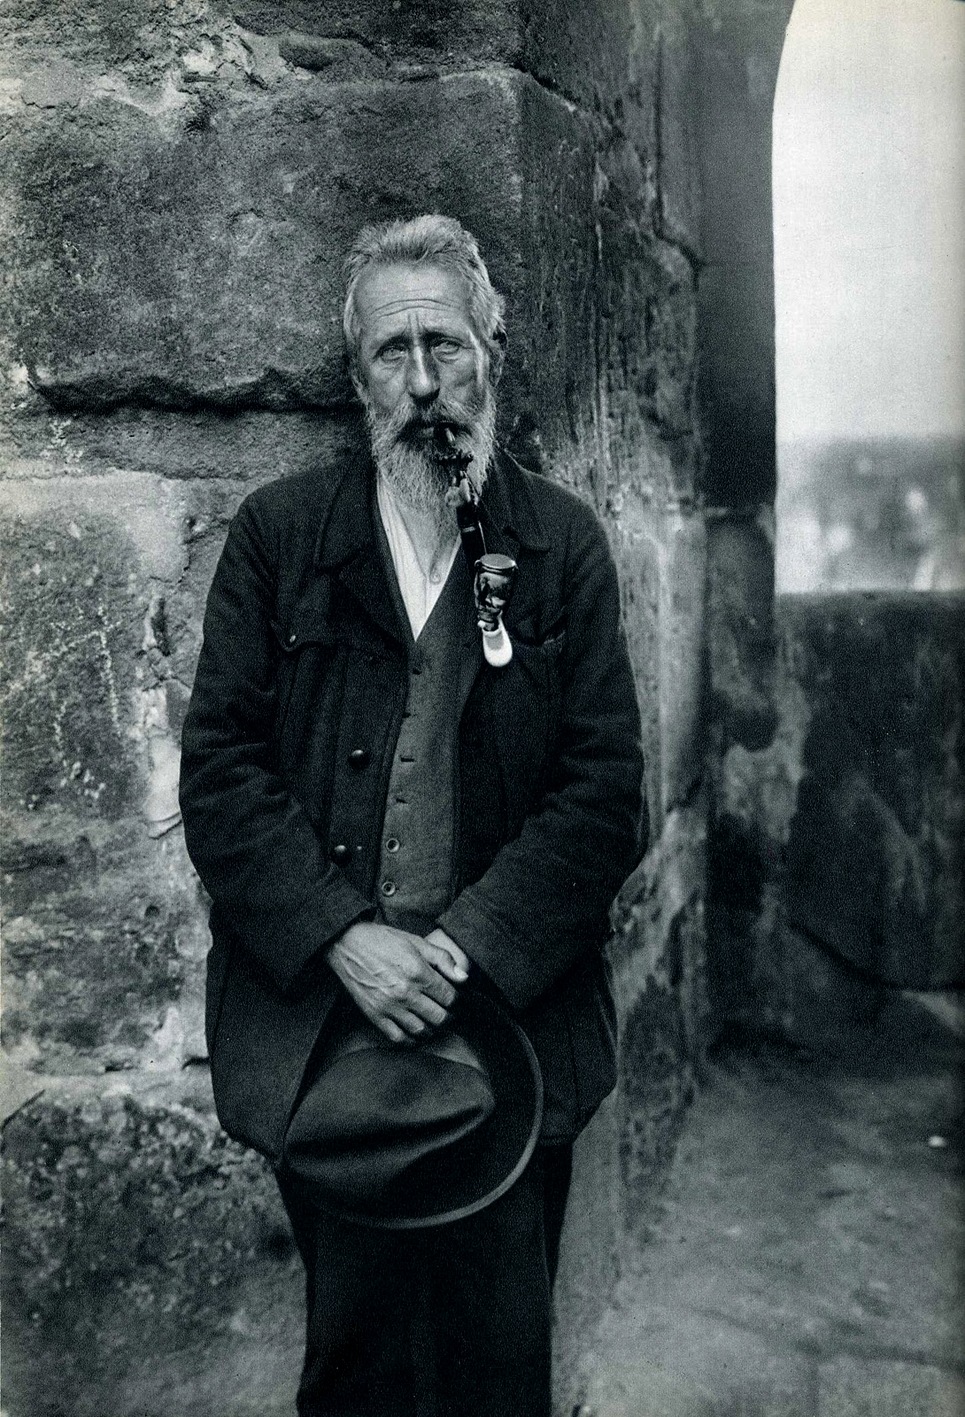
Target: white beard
418,479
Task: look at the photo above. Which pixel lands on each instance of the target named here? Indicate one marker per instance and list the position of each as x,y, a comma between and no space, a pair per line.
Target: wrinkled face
421,363
418,349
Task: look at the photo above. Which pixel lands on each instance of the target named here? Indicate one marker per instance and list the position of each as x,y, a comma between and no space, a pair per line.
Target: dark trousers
451,1321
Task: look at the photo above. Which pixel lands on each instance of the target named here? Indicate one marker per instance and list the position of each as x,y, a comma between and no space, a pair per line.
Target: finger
454,961
411,1023
454,971
436,986
425,1009
391,1030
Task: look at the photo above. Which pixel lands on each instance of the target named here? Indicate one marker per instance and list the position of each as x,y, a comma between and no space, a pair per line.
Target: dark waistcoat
416,876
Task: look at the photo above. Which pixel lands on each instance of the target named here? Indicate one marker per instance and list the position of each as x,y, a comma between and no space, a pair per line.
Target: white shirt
419,589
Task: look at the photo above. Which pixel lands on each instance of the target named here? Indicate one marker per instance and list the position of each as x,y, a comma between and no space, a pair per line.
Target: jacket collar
508,509
509,513
347,547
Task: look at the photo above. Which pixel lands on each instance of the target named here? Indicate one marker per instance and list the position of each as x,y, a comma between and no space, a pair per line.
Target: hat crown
419,1133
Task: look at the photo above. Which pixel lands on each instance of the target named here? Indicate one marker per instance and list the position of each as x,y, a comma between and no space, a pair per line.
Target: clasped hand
404,984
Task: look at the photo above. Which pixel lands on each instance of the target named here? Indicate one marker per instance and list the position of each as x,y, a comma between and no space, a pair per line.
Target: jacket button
360,758
340,854
292,638
389,887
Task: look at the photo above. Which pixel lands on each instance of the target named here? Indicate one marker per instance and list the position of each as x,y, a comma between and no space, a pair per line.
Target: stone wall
836,872
186,177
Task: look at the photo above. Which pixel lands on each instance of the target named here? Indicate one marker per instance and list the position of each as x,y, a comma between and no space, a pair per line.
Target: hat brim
449,1185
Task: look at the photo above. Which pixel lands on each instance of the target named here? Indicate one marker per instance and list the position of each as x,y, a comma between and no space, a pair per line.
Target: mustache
409,424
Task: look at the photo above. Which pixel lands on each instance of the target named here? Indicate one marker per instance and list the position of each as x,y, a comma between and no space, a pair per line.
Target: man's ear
497,355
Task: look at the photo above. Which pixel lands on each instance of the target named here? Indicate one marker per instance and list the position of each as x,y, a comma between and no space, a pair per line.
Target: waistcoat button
389,888
359,757
392,844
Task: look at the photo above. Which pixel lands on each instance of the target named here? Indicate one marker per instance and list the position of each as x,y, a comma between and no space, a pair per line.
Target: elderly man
387,821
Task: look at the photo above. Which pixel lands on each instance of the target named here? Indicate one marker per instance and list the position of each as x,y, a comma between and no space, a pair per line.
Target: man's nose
422,378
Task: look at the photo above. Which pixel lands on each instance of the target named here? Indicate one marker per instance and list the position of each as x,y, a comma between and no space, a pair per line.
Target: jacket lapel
514,528
347,550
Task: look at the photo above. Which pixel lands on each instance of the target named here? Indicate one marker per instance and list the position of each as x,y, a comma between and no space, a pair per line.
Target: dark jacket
287,747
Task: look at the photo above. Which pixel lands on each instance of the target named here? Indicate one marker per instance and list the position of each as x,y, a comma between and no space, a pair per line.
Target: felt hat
409,1135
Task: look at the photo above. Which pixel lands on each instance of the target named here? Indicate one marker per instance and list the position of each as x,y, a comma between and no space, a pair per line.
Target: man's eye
392,353
446,346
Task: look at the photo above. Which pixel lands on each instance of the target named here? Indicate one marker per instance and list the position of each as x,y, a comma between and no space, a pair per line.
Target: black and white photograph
482,625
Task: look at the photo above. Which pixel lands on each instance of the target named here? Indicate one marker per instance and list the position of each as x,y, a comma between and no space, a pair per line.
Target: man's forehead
387,291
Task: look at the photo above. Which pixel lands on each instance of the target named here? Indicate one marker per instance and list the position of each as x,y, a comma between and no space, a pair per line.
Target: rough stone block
661,560
600,56
195,256
148,1266
138,41
432,34
553,313
636,549
631,1383
874,850
105,931
647,333
81,561
251,446
104,943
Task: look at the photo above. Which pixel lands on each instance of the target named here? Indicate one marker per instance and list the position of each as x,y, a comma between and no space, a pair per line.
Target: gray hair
426,240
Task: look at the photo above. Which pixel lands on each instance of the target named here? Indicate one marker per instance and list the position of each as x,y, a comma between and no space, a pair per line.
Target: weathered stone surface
344,58
130,1215
874,855
141,40
676,105
81,562
855,1387
600,56
103,949
836,849
661,560
199,212
659,968
740,590
620,1387
552,309
194,256
636,546
434,33
647,334
105,933
682,637
247,446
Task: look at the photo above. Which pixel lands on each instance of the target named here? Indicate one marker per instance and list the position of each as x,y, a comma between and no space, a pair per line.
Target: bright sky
869,208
